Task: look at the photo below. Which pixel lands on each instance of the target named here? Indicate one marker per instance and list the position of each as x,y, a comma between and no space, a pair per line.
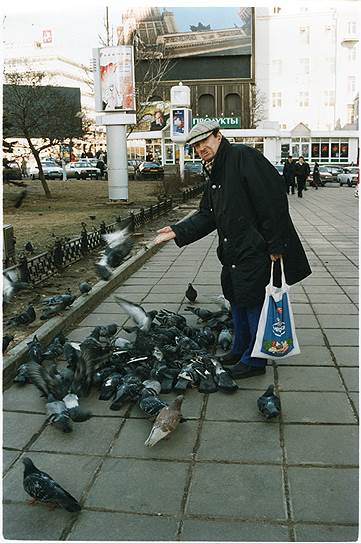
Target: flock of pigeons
166,353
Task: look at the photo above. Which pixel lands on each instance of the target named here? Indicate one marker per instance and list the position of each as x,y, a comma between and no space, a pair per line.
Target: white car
51,171
349,176
82,169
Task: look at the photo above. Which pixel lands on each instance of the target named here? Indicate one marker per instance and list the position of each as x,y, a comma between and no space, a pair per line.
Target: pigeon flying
119,245
11,285
191,293
166,422
269,404
43,488
142,319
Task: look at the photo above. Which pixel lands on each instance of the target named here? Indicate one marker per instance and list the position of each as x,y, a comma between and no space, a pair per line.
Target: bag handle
283,277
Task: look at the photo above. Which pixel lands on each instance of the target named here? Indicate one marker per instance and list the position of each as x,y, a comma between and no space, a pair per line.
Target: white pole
117,162
181,161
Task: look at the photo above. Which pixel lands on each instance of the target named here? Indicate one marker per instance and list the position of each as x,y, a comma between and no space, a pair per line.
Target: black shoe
229,359
240,371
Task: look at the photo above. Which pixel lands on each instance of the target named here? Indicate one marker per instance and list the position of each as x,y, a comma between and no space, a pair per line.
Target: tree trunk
36,154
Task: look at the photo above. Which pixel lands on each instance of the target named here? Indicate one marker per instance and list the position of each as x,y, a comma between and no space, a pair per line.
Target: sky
76,24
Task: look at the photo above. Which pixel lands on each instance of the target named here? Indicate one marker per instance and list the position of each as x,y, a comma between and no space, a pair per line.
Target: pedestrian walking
316,179
24,168
289,172
245,200
302,173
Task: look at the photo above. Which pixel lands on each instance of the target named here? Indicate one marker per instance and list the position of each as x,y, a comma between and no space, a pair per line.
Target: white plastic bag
276,335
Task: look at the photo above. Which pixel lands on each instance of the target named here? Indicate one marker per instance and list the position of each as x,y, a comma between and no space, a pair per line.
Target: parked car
82,169
195,170
334,171
349,176
149,169
11,170
51,170
325,175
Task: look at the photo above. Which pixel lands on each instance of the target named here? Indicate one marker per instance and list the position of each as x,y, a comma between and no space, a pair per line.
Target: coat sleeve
196,226
267,193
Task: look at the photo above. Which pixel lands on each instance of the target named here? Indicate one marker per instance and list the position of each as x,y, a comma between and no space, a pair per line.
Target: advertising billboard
116,73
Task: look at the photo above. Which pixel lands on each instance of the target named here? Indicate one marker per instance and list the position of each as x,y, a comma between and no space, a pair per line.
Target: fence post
83,239
58,253
24,269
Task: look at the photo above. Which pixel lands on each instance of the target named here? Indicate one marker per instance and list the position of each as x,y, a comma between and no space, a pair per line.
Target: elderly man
245,200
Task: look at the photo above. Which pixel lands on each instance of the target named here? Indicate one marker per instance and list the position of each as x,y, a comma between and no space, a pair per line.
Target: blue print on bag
277,337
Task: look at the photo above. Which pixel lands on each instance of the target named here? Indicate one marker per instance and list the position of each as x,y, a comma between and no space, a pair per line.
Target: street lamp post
180,119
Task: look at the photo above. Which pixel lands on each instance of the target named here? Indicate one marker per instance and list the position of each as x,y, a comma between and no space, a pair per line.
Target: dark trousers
301,184
245,321
290,183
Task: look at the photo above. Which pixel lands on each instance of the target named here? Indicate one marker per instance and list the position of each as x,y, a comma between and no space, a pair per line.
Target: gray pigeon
24,318
58,415
43,488
166,422
225,339
119,245
269,404
11,285
85,287
142,319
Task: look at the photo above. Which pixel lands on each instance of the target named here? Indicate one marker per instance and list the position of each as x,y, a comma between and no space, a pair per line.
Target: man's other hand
164,234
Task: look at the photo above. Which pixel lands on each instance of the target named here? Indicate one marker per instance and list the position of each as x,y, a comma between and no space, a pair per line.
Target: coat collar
220,156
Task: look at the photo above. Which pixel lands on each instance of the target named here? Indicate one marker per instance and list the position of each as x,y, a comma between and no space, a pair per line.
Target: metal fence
65,252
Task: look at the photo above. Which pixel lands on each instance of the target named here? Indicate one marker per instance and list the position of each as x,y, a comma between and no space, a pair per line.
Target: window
305,66
206,105
325,147
329,98
276,67
351,84
351,27
303,99
305,35
315,150
276,100
232,105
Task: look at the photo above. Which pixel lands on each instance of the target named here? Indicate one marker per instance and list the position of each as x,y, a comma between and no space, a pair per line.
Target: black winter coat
289,170
245,200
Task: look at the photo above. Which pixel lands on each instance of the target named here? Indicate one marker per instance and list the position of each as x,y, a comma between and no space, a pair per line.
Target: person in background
24,167
289,171
316,179
302,173
244,200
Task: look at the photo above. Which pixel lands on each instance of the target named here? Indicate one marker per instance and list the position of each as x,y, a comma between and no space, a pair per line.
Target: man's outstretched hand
164,234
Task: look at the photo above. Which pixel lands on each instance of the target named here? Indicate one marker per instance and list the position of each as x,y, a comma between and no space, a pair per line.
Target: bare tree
257,102
42,114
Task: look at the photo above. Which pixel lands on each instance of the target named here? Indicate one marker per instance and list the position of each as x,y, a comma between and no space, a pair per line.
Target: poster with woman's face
178,121
116,75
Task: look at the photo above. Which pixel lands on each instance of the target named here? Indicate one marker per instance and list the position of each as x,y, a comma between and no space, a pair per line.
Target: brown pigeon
166,422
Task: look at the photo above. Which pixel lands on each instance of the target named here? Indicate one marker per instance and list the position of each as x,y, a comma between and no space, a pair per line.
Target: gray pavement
226,474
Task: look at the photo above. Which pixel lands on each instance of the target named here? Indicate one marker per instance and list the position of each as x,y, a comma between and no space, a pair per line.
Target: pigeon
225,339
128,389
20,198
35,350
166,422
142,319
29,247
11,285
58,415
22,375
43,488
149,403
24,318
109,386
204,314
85,287
222,302
122,343
71,402
191,293
56,348
119,245
223,379
7,338
55,309
269,404
59,299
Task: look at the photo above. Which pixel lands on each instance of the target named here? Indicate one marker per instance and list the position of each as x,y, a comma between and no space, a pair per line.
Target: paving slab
240,406
321,444
351,377
316,407
19,428
247,492
216,438
24,397
138,485
325,533
346,356
236,531
310,355
336,309
333,322
123,527
323,494
342,337
298,378
305,321
307,337
9,457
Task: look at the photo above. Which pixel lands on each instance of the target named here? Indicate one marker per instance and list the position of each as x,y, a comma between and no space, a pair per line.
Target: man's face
208,147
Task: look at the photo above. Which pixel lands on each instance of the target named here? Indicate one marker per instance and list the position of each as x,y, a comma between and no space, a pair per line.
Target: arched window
206,105
232,105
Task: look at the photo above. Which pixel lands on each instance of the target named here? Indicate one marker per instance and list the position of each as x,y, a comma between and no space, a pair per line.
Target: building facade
307,57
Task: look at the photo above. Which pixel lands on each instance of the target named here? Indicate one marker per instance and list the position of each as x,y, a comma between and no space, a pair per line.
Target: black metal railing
65,252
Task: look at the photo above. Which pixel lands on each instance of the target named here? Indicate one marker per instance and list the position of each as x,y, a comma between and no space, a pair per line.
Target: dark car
151,170
195,170
11,170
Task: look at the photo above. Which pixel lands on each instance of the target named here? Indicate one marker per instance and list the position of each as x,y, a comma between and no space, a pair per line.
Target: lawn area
40,219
